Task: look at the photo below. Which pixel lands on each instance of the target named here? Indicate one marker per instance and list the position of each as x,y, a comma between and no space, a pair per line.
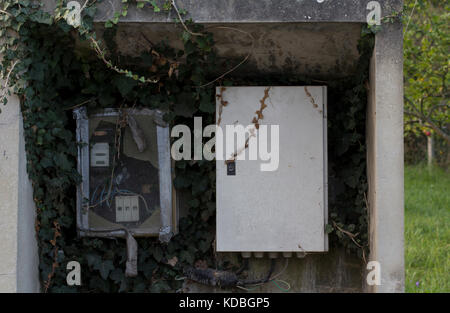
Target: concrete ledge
248,11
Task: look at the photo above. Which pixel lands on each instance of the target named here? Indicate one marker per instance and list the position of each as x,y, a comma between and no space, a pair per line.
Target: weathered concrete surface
18,246
335,271
316,50
248,11
385,158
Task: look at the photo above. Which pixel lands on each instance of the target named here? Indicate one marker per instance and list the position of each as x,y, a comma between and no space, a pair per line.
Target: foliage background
426,67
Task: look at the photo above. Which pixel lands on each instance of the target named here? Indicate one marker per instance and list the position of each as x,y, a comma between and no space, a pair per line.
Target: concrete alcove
317,40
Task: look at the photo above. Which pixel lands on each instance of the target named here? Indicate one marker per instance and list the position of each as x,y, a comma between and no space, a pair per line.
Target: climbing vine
51,74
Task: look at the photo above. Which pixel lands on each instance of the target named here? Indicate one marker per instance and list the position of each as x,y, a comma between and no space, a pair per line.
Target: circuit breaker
277,200
125,164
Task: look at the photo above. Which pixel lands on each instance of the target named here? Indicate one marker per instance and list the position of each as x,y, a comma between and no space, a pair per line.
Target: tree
426,47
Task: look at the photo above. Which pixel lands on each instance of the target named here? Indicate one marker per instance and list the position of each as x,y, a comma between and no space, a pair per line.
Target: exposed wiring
243,267
174,5
93,195
219,278
273,279
282,271
247,289
288,286
276,282
249,54
259,281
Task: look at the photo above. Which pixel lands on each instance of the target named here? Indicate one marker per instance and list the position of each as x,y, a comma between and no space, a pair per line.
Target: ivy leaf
194,203
204,246
329,229
200,186
104,268
93,259
181,182
206,104
98,284
203,43
148,268
185,36
140,287
155,6
62,162
158,254
352,180
187,257
123,285
160,286
41,17
124,84
117,275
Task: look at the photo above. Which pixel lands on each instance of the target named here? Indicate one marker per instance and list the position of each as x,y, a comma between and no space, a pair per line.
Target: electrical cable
243,267
259,281
219,278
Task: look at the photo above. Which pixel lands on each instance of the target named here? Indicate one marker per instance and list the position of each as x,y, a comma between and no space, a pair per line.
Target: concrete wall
18,246
385,158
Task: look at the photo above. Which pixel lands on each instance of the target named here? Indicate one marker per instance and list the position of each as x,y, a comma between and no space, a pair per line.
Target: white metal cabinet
283,210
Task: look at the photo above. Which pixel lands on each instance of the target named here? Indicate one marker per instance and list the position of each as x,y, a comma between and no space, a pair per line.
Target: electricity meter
124,160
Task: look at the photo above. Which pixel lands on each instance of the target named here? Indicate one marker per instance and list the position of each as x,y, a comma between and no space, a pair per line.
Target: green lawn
427,230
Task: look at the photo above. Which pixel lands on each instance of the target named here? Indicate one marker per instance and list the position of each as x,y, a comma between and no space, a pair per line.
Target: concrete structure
310,37
18,246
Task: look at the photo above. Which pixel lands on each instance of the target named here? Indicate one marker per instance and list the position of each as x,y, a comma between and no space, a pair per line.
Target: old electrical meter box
272,186
124,160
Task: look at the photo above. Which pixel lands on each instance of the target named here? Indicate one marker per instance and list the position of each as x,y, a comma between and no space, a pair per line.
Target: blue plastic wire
93,195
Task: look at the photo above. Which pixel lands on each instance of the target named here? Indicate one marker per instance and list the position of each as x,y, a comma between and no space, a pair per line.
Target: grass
427,229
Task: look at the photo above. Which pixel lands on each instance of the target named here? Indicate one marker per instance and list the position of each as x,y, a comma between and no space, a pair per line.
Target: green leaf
148,269
207,105
200,186
158,254
181,181
187,257
93,259
185,36
124,85
104,268
117,275
155,6
160,286
329,229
